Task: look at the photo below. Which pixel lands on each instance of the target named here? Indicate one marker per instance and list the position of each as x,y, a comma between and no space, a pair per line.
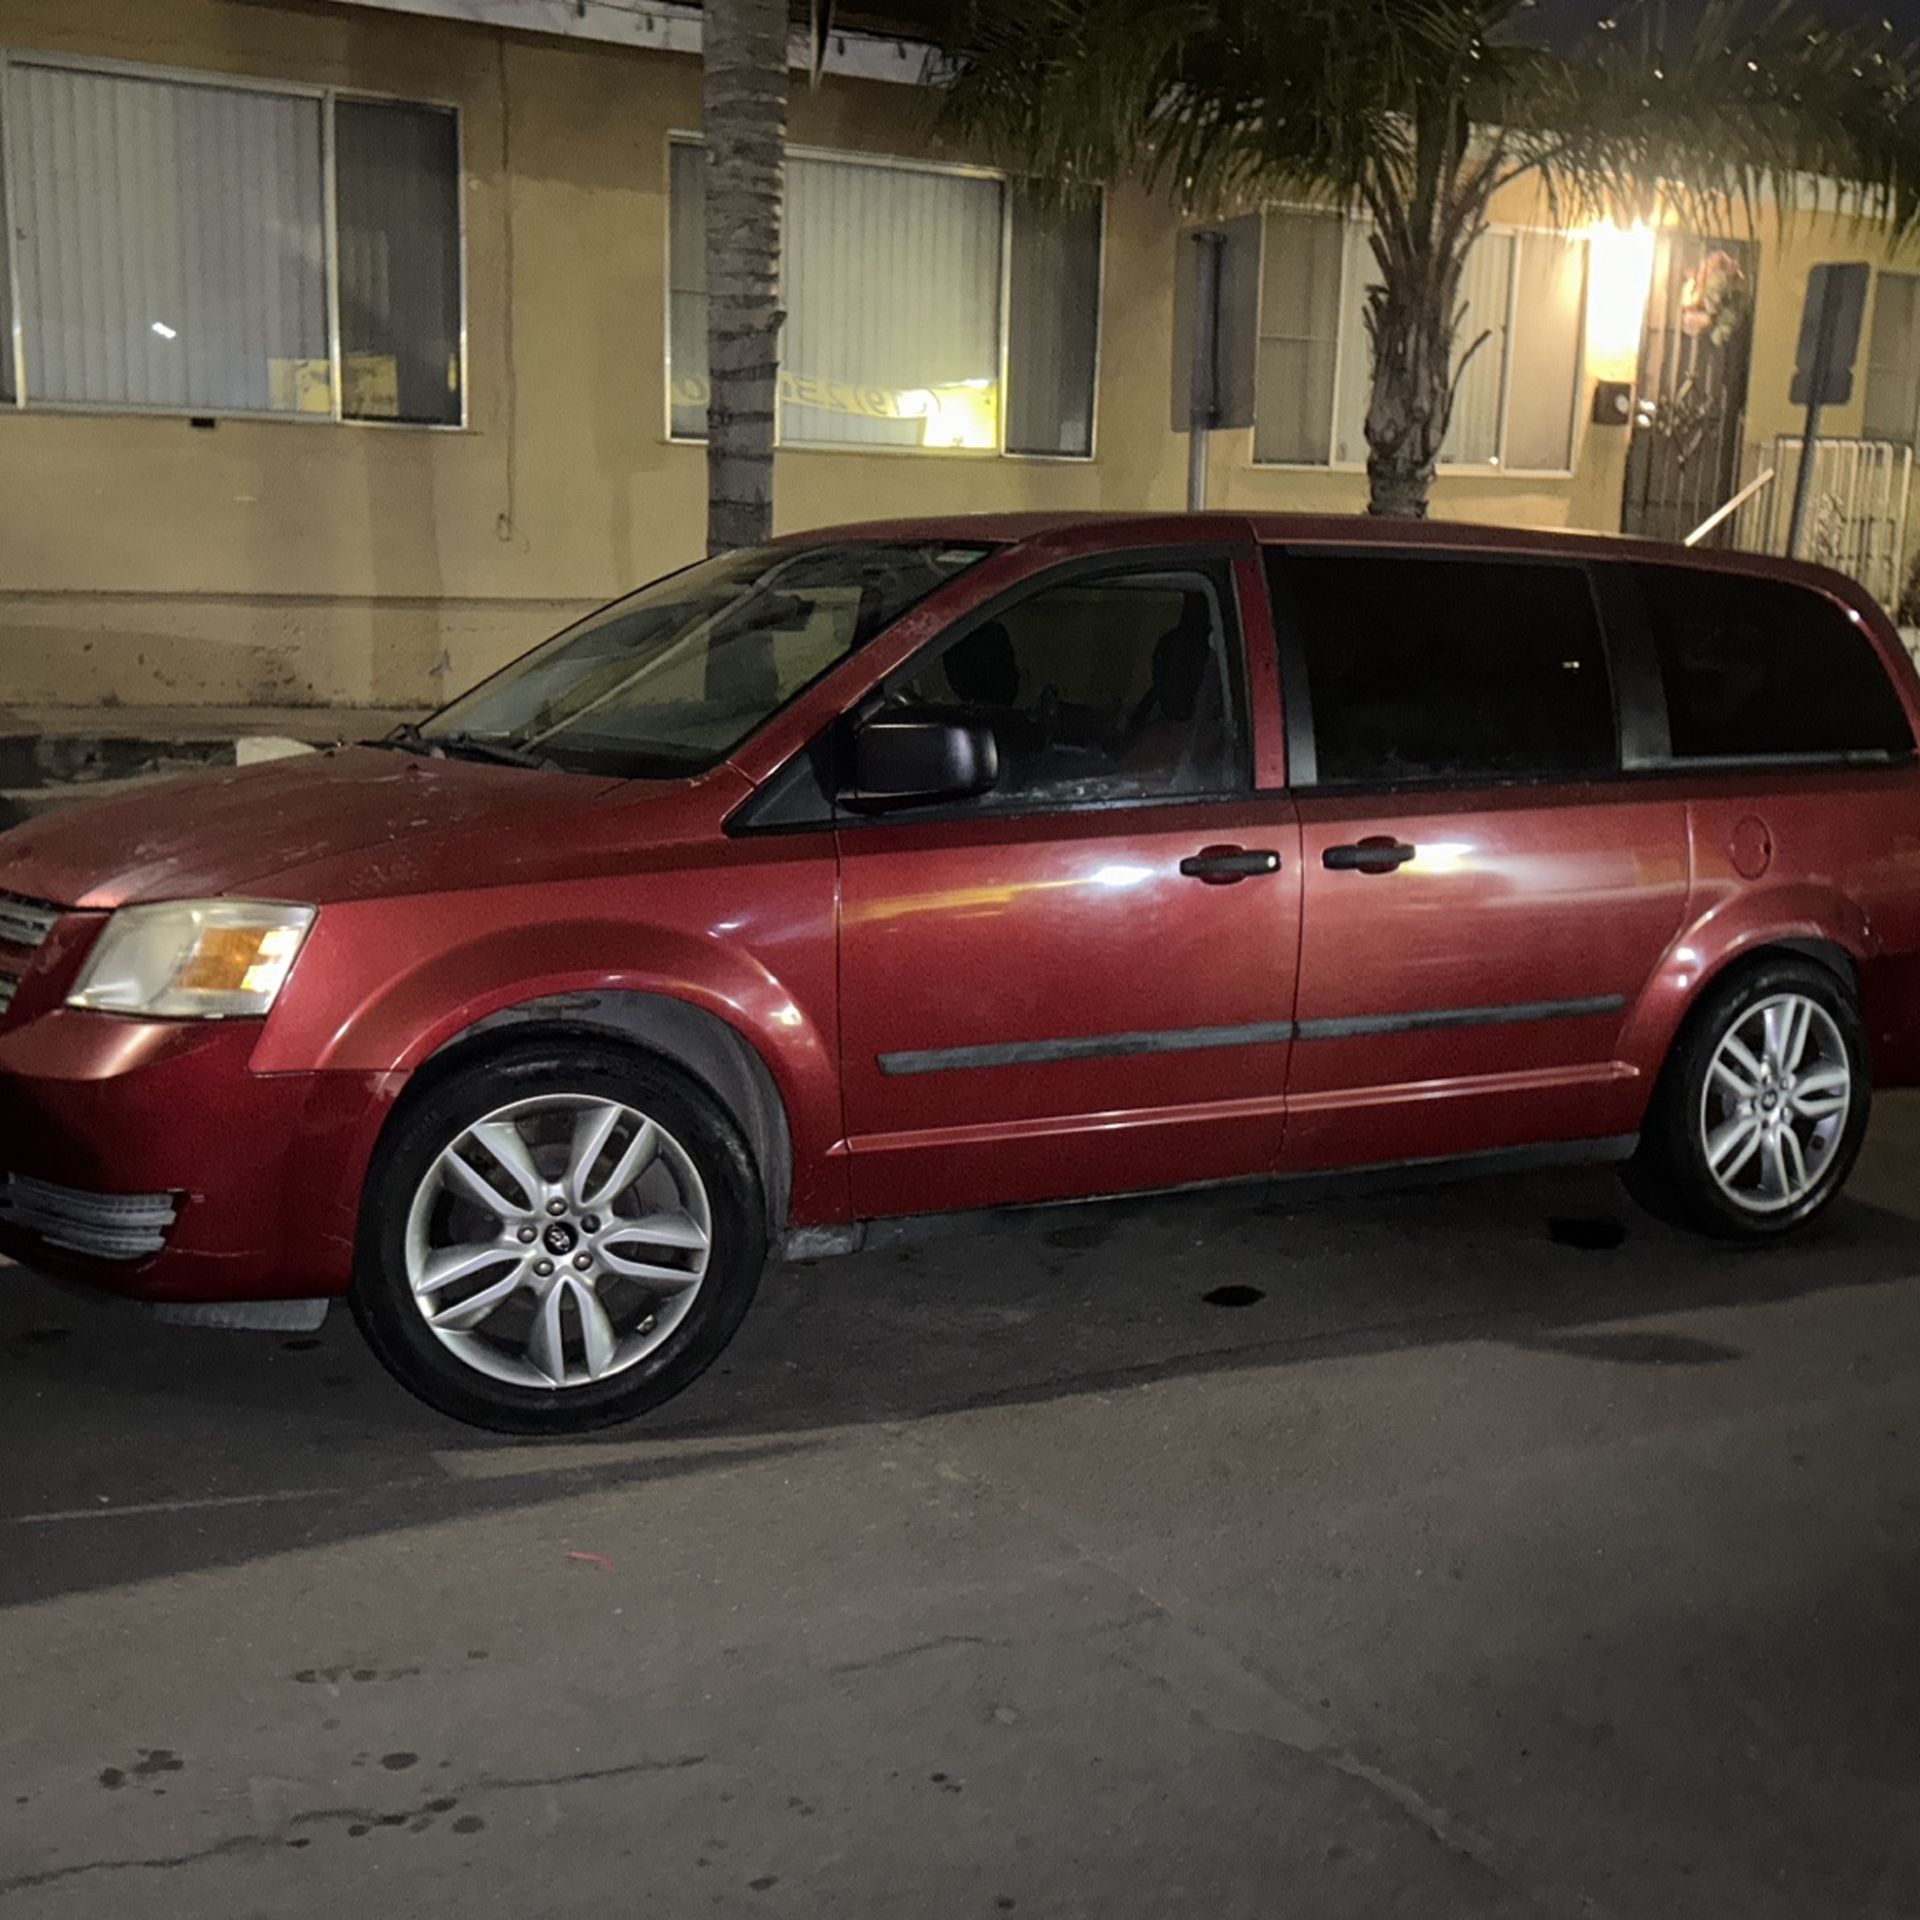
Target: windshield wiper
464,746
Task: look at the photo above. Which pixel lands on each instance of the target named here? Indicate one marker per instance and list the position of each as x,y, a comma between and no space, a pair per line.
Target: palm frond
1208,100
1751,105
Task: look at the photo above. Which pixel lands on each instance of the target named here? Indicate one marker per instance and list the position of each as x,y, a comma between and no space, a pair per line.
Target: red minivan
938,865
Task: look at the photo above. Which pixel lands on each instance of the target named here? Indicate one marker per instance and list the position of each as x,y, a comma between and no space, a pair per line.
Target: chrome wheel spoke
660,1230
633,1162
656,1279
461,1263
1730,1146
1793,1163
1799,1025
592,1128
467,1314
596,1329
546,1345
1773,1169
1775,1019
1736,1084
1822,1093
1742,1057
508,1145
478,1187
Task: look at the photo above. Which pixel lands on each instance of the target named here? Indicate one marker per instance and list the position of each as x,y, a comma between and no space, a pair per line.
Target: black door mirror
899,759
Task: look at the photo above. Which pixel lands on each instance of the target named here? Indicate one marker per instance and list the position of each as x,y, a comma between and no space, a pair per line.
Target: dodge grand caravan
941,865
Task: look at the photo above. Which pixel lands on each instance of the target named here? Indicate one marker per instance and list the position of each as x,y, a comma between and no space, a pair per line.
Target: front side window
894,336
173,252
1757,668
1442,670
1522,298
670,680
1122,686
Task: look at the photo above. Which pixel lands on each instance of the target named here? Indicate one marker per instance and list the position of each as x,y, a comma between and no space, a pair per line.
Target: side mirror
899,759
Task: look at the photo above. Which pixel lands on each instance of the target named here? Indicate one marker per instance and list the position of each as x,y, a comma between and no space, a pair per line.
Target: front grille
111,1226
25,923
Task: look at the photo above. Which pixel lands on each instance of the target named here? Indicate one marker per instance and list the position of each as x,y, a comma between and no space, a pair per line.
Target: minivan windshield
671,679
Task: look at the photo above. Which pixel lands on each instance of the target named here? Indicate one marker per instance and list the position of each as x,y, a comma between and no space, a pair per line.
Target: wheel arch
699,1043
1805,922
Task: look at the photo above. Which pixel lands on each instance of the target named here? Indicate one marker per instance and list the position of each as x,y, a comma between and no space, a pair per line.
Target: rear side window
1762,668
1447,670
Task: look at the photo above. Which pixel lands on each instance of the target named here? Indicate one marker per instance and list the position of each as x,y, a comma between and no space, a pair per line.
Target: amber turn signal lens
236,959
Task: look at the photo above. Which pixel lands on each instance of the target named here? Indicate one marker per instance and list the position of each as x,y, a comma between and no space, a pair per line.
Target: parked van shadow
135,1450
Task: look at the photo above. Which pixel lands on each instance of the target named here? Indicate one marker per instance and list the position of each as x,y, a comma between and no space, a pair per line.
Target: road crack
341,1816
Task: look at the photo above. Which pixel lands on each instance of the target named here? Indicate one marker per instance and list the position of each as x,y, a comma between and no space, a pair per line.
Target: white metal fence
1856,517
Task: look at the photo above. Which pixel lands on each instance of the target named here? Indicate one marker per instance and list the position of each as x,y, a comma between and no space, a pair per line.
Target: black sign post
1823,363
1216,299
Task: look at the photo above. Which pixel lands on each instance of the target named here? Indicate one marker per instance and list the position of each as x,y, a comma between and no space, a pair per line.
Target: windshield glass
671,679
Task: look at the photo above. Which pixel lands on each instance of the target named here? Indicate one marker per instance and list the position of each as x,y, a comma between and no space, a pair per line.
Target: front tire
1760,1112
560,1234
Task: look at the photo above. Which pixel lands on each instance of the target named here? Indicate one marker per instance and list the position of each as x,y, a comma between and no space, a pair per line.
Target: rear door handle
1221,866
1378,853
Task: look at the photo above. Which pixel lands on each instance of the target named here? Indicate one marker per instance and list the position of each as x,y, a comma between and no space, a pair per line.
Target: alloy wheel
1774,1107
558,1241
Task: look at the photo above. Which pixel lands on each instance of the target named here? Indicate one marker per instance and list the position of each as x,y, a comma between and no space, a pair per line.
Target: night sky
1563,20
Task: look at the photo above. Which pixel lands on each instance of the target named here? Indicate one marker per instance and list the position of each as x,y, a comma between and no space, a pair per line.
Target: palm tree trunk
744,115
1411,327
1422,233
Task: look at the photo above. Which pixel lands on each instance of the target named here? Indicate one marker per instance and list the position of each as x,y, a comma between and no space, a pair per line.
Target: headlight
192,959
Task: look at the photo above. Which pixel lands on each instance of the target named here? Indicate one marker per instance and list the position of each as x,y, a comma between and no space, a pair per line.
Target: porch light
1619,276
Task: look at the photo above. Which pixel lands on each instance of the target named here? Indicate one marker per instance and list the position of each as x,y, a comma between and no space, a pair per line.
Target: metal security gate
1856,508
1684,457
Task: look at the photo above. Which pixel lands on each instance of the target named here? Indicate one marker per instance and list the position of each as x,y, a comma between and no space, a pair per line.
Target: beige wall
144,560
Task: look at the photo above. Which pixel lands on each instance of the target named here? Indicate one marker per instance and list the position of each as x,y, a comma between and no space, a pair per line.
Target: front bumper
108,1126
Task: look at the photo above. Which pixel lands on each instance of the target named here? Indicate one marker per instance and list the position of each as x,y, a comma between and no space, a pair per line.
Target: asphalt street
1485,1550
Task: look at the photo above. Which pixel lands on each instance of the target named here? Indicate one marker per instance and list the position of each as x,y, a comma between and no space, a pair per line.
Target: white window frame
682,137
1485,469
328,96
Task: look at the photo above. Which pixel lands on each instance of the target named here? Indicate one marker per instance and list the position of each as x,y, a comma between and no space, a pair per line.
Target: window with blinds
926,308
175,247
1523,296
1893,360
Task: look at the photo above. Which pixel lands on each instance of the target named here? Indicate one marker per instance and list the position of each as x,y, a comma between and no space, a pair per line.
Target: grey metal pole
1822,353
1206,363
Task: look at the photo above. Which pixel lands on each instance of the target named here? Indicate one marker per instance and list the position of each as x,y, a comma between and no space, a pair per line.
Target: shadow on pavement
135,1450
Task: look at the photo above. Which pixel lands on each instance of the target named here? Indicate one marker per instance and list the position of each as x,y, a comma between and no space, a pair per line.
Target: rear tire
560,1234
1759,1113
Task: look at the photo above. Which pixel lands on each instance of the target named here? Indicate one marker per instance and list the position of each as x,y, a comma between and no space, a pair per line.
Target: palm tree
744,118
1416,112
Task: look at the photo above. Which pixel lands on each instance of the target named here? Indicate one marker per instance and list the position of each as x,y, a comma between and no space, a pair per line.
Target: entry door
1484,894
1683,459
1081,982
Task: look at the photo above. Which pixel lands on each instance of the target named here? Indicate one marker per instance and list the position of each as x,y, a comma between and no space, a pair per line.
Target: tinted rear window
1443,669
1760,667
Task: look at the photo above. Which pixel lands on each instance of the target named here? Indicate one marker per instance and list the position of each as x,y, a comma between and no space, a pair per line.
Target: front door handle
1378,853
1222,866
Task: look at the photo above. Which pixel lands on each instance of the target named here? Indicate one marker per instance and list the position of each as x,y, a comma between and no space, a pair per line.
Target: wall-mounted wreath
1715,299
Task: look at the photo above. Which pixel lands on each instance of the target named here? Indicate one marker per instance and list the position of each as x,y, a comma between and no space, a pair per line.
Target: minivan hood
218,833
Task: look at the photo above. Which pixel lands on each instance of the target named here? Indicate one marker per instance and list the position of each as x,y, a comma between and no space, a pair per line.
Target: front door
1484,894
1082,981
1690,409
